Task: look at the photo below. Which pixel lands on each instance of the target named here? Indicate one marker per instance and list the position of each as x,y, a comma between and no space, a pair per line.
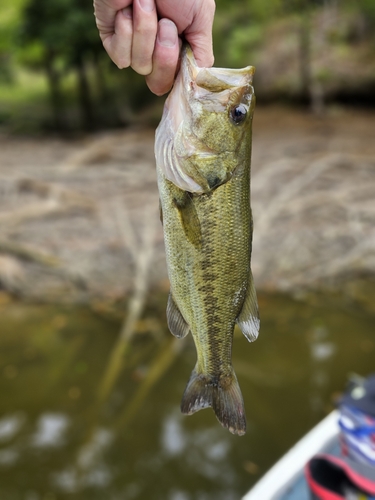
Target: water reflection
58,442
50,430
174,440
8,456
10,425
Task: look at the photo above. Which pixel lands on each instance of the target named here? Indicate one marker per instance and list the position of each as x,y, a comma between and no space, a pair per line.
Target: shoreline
75,216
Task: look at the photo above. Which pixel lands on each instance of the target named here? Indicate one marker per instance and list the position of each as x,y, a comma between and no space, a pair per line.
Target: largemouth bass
203,149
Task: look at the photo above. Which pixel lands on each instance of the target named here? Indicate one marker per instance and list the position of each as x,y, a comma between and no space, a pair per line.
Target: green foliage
364,11
9,16
249,10
65,28
32,55
243,41
368,8
239,27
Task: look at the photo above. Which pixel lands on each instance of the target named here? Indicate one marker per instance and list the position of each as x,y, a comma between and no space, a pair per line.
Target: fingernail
147,5
128,12
167,33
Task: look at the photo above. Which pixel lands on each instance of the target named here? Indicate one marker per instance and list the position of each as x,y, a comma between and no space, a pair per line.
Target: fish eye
238,114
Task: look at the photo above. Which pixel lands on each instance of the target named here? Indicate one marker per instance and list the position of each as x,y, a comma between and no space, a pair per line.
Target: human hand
133,36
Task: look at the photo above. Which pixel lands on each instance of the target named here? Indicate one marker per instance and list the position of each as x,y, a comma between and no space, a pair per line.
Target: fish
203,152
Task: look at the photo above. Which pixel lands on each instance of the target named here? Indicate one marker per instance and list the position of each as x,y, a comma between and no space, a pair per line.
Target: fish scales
203,165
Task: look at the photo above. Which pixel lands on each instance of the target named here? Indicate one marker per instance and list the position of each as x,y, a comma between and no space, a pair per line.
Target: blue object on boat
357,421
360,395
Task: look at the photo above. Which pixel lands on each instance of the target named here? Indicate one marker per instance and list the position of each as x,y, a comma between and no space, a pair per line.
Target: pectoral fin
248,319
189,219
176,323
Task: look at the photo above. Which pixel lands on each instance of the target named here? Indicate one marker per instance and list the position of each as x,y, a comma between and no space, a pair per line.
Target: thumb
202,50
199,34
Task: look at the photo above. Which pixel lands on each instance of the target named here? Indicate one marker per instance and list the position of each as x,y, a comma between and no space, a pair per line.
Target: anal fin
248,319
176,323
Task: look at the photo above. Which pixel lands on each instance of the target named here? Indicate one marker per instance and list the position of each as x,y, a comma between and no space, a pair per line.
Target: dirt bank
79,219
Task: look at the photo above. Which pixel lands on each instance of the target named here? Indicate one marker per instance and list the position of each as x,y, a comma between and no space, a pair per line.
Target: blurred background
90,377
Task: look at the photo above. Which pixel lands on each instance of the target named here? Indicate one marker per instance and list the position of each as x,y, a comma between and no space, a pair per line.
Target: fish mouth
197,82
214,88
213,79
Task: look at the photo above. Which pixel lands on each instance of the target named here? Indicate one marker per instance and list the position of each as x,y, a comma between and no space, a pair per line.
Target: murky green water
56,442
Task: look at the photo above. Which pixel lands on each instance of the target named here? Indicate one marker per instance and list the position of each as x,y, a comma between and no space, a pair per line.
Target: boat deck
285,480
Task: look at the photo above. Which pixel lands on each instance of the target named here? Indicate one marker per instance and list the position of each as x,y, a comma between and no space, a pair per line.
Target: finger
119,44
145,25
199,34
165,58
105,15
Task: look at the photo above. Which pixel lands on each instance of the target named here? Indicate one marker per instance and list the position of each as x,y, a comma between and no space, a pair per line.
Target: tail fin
223,395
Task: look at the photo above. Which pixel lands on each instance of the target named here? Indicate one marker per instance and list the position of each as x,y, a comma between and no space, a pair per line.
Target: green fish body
203,149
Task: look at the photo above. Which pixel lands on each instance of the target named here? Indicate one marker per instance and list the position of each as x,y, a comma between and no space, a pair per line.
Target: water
58,441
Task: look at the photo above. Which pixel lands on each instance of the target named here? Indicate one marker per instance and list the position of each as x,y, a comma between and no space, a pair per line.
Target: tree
65,34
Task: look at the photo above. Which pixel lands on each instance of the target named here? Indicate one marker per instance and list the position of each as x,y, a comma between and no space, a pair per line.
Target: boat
286,480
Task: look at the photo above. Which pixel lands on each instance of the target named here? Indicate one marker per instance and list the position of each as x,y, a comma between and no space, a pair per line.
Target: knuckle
122,61
145,31
122,65
159,91
127,30
141,68
210,4
158,85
